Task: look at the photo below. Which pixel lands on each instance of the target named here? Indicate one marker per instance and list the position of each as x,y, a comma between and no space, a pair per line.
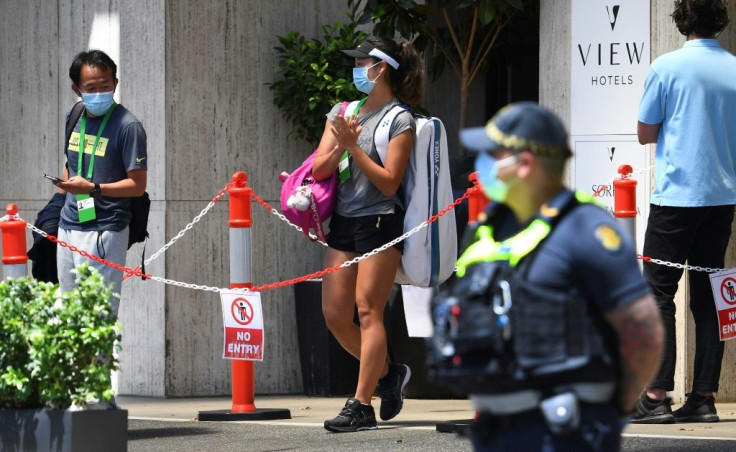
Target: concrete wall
29,100
554,92
221,119
39,41
195,74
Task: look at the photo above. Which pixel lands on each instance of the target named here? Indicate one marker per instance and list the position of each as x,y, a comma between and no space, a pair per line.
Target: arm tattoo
640,334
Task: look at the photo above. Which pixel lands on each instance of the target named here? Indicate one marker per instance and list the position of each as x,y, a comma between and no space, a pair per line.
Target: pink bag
305,202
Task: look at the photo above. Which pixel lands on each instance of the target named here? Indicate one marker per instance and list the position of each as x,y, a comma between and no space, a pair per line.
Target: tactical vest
496,333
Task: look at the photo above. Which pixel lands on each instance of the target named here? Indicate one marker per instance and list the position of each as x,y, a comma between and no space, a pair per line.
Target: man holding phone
53,179
106,166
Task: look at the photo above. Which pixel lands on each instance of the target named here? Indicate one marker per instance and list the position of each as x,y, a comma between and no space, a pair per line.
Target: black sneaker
697,408
389,390
354,417
653,411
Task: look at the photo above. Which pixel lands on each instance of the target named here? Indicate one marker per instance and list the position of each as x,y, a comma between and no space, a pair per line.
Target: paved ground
171,424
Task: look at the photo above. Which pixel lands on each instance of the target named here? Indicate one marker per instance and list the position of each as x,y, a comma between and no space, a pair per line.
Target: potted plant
56,359
313,75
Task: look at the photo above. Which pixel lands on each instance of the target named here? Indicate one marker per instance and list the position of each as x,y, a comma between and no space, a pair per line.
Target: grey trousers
109,245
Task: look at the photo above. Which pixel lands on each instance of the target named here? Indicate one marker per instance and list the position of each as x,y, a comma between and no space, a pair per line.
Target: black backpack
480,341
138,226
43,251
139,207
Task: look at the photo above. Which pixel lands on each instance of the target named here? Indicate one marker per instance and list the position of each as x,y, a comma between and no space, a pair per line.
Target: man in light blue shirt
689,110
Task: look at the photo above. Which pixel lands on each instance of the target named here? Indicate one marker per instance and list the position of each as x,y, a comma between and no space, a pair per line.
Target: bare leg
338,301
656,393
374,281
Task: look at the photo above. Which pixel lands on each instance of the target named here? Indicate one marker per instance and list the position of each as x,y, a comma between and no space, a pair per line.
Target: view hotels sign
609,63
610,59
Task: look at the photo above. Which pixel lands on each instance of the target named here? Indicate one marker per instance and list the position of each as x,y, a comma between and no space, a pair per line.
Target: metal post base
260,414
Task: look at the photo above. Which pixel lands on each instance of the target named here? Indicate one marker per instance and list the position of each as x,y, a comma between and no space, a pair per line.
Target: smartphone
53,178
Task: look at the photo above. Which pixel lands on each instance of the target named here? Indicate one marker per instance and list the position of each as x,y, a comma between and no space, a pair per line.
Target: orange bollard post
243,383
624,200
243,371
15,259
477,200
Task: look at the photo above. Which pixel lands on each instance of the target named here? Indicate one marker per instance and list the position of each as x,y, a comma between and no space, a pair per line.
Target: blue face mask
97,104
487,168
361,80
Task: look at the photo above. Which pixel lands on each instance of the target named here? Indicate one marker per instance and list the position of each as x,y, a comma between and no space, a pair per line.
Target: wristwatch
96,192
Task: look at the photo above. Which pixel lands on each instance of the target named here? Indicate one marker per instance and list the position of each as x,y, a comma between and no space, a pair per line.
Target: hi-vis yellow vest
496,332
513,249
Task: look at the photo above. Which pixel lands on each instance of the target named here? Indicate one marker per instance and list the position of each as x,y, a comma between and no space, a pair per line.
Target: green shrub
56,350
315,75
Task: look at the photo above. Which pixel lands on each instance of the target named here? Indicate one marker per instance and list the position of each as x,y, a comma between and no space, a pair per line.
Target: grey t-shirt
357,196
122,148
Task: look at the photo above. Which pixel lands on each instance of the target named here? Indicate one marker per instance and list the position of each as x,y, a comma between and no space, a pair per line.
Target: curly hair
704,18
407,82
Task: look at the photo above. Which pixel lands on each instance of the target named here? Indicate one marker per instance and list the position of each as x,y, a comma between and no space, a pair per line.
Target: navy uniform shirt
587,250
122,148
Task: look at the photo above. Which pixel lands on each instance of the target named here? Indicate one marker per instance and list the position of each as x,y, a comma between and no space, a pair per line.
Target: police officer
581,326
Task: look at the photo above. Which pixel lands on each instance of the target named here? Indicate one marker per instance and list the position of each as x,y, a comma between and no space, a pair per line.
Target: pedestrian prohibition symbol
243,325
728,290
723,285
242,311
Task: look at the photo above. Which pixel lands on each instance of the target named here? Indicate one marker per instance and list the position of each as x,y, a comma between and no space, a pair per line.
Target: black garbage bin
327,369
412,352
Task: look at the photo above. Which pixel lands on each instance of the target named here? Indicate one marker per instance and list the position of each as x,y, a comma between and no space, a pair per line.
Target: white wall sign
595,166
724,294
610,59
242,319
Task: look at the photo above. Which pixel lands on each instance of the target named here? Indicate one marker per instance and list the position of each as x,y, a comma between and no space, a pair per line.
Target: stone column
554,92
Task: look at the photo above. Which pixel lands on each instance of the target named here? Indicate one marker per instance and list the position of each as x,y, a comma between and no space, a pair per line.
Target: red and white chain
281,216
129,271
320,273
696,268
188,227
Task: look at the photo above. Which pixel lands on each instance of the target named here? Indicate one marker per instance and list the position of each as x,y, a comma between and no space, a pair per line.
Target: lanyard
82,129
343,167
360,104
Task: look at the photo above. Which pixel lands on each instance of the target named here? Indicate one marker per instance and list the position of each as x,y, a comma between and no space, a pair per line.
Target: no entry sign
724,294
243,324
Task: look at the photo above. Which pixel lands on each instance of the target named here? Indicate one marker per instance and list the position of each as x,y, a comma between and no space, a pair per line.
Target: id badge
343,167
86,208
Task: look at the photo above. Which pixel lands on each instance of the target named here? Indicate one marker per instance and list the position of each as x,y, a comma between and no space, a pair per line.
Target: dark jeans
600,431
698,235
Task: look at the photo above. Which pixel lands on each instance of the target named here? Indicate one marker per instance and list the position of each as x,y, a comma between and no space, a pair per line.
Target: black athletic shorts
363,234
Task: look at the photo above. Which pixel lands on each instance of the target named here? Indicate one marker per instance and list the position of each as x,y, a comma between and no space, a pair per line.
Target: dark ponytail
407,82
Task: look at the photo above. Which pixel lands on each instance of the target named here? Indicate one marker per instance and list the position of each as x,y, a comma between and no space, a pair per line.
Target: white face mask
487,168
